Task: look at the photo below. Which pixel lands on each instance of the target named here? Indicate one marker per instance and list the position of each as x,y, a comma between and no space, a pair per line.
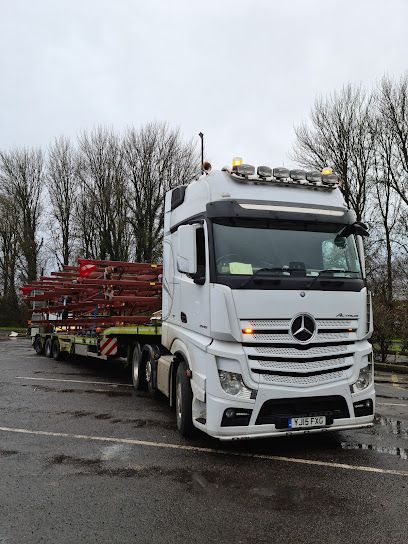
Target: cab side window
200,245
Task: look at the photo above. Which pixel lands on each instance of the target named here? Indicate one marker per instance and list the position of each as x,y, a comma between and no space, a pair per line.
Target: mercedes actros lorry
265,313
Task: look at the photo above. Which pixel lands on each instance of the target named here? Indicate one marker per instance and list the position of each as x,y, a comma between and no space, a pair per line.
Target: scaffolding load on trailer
96,293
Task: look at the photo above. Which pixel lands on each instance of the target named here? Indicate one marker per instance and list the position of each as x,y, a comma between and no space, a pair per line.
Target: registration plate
312,421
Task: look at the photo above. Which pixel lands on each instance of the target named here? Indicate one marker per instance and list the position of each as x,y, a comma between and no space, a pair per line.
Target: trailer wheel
138,370
38,347
184,402
48,348
56,351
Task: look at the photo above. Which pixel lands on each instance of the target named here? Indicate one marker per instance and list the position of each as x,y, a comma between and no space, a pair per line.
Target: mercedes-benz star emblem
303,328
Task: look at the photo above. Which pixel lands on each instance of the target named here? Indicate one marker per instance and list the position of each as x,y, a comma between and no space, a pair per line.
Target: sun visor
286,211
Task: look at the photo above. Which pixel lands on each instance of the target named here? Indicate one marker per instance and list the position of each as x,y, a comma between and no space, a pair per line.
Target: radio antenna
202,151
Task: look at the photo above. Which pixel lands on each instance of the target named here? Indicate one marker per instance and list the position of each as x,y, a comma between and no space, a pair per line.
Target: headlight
231,382
364,380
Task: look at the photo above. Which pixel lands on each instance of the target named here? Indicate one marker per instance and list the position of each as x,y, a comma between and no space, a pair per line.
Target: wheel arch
181,355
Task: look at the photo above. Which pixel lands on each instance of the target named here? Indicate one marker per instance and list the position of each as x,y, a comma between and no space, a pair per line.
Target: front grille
285,337
306,366
269,323
302,380
296,352
276,357
278,411
285,323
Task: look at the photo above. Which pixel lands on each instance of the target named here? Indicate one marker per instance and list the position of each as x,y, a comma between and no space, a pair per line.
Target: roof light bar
281,173
325,179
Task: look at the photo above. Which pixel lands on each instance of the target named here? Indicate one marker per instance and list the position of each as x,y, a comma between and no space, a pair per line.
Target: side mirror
187,249
358,228
361,229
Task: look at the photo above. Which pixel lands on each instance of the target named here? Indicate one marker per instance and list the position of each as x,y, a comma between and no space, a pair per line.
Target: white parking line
73,381
391,404
198,449
395,381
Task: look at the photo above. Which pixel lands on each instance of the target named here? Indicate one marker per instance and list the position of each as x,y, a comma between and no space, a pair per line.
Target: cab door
193,280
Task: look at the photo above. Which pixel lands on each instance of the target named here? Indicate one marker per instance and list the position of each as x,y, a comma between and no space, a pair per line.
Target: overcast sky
243,72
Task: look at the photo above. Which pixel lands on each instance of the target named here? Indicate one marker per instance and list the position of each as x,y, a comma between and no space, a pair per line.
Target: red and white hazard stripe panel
108,346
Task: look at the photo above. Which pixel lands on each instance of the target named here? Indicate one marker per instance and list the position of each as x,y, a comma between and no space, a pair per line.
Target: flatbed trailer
139,346
125,336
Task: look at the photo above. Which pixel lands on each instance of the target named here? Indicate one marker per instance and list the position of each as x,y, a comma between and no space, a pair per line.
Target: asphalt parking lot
86,459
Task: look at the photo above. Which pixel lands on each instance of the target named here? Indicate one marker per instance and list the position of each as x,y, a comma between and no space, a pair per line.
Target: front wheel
184,401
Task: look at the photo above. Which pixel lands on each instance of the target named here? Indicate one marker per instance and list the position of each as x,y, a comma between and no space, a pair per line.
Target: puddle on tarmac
400,452
391,425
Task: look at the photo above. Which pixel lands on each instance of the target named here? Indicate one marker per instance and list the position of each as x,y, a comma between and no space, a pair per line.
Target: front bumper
216,407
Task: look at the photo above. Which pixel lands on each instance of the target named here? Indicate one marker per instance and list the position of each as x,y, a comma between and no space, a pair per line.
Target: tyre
48,347
56,351
184,401
38,347
150,354
138,370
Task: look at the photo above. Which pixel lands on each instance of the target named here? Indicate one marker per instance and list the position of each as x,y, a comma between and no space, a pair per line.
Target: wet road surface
86,459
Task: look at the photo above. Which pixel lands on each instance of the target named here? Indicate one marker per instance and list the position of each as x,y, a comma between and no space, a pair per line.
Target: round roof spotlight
244,170
297,175
314,177
330,179
281,173
264,171
207,167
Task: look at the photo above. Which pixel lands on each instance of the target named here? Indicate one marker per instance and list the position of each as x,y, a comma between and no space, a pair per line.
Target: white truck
265,315
265,305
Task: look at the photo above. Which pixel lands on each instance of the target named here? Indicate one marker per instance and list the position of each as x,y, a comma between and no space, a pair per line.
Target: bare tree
393,106
340,135
86,224
156,160
386,210
9,249
103,210
21,176
62,182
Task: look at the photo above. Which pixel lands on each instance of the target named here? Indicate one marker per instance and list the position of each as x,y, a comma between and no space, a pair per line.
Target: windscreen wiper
328,271
266,269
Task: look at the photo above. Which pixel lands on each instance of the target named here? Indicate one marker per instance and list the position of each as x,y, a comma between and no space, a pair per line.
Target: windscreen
284,249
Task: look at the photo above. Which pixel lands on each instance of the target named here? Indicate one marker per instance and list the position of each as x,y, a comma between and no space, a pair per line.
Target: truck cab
265,304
